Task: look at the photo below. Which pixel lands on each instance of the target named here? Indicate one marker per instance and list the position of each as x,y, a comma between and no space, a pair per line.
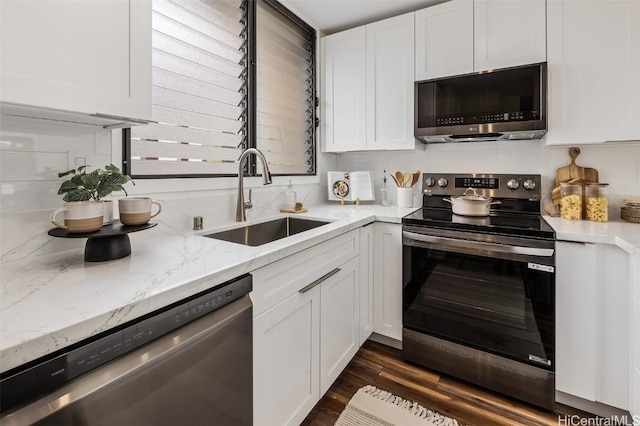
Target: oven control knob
442,182
529,184
513,184
429,182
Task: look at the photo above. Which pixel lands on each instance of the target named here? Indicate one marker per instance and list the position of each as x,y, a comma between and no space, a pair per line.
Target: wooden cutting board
570,174
573,171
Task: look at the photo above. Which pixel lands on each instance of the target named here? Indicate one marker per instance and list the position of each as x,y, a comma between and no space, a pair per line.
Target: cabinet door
576,323
88,57
592,322
344,88
277,281
594,88
286,349
390,70
634,333
339,319
444,40
509,33
366,282
387,281
612,313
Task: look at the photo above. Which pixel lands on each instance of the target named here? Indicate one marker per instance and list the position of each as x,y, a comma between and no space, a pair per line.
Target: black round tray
107,243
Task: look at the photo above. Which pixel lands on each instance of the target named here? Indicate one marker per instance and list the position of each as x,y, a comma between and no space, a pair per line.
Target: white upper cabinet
390,65
593,56
444,40
344,86
84,57
464,36
508,33
367,82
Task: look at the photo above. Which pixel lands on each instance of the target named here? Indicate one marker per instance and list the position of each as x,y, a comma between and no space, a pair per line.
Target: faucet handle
248,204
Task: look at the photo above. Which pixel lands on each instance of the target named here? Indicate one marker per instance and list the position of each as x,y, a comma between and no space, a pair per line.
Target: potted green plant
95,185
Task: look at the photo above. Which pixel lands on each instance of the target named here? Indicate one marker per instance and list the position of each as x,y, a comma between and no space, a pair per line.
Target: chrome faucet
241,216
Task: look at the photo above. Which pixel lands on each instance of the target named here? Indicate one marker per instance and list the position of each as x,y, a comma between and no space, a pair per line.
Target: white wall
618,164
32,152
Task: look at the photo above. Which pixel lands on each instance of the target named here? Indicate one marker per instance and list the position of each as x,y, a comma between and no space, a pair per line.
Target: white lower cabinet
634,332
339,322
366,282
286,341
592,322
306,327
387,279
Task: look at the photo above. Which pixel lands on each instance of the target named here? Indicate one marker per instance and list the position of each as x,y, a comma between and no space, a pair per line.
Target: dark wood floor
383,367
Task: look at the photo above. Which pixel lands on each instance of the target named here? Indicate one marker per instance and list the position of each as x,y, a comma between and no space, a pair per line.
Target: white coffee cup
137,210
405,197
108,212
80,216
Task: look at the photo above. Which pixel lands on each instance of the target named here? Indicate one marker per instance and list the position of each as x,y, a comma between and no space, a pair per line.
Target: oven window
495,305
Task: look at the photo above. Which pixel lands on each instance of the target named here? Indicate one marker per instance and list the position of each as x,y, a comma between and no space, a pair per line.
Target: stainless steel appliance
501,104
479,292
190,363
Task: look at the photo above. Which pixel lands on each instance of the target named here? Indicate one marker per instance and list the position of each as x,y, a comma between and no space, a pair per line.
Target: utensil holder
405,197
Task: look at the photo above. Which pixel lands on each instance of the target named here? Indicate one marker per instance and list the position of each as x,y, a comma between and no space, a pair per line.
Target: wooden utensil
400,179
395,180
573,171
415,178
406,178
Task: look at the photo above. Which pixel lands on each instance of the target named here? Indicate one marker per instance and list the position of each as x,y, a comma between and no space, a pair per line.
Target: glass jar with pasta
597,203
571,201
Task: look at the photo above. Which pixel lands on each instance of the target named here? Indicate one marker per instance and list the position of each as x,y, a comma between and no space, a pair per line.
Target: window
285,91
209,103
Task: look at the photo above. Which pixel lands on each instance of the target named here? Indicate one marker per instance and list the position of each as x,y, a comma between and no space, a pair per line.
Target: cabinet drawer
277,281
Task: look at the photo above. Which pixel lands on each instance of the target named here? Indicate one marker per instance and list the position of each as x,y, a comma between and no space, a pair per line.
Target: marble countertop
52,301
625,235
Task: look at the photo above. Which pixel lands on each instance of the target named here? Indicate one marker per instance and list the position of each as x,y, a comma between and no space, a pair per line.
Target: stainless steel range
479,292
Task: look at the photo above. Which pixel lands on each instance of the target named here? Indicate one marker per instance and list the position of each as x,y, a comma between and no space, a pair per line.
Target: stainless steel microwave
502,104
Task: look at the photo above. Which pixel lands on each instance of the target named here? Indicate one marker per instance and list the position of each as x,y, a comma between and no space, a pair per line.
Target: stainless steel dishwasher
189,363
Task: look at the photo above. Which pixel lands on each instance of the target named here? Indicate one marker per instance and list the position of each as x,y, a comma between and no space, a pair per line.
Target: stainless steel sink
266,232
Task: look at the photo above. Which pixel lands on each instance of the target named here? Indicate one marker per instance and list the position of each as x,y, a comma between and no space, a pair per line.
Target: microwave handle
444,243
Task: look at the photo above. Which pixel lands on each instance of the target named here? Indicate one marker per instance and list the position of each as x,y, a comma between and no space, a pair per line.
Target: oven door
489,292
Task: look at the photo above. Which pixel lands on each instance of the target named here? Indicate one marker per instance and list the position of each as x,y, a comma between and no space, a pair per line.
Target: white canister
405,197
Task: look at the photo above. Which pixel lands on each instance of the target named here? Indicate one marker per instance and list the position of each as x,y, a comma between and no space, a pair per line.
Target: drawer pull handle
319,280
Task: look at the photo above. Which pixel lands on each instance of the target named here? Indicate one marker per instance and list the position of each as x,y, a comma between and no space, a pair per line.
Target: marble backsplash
618,164
32,152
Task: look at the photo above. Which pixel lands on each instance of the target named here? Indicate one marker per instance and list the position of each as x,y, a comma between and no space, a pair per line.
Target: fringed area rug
371,406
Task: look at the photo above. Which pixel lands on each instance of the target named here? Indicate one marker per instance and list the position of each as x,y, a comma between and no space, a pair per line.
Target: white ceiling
330,16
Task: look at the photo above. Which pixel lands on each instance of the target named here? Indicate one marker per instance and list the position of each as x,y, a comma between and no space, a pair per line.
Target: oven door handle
453,243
